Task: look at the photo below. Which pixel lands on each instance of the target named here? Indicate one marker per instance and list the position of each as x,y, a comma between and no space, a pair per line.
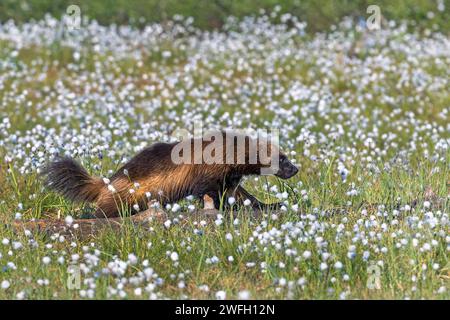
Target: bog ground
365,115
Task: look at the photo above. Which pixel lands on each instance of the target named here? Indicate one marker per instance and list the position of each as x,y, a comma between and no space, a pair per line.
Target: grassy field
209,14
364,114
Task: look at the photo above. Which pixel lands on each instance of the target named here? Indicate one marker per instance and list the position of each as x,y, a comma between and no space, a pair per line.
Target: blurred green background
208,14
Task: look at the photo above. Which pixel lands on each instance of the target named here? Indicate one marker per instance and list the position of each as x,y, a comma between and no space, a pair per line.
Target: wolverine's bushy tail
70,179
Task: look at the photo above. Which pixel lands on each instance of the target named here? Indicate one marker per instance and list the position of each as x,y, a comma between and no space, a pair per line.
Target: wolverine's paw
208,203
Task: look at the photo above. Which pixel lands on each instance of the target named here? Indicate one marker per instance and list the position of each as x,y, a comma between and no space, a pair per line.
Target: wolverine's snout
287,169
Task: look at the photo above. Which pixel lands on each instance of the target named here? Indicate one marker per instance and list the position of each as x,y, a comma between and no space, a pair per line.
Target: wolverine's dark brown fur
168,182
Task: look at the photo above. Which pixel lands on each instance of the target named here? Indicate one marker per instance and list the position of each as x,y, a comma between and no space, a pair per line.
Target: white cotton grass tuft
68,220
174,256
244,295
221,295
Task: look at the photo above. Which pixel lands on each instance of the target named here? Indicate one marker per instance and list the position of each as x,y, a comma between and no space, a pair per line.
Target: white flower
221,295
75,257
366,255
17,245
132,259
46,260
167,224
68,220
301,281
442,290
231,200
307,254
247,202
244,295
5,284
204,288
174,256
106,181
21,295
229,236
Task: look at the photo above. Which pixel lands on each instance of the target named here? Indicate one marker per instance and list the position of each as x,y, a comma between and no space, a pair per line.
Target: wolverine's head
274,161
286,169
260,155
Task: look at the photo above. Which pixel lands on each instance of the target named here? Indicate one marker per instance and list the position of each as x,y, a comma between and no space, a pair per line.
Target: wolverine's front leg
240,194
220,198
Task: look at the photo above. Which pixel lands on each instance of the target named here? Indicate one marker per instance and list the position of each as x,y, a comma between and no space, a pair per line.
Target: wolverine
212,165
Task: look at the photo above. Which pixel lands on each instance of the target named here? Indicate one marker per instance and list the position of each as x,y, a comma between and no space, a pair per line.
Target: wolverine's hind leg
112,206
107,209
